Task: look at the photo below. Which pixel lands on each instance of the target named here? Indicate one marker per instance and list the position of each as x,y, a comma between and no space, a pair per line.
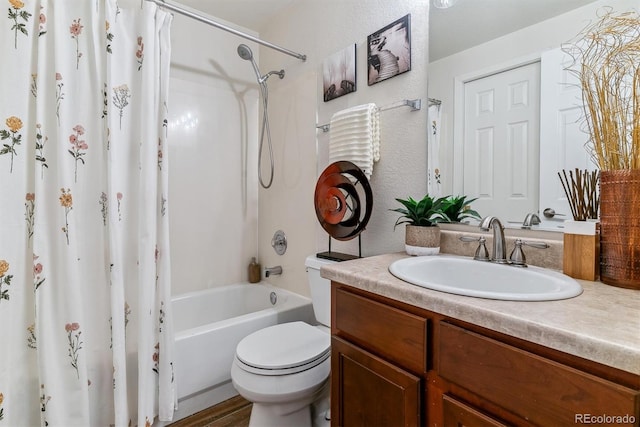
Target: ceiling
466,24
251,14
484,20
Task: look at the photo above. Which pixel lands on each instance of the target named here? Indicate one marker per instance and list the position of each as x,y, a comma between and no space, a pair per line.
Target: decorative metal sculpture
343,202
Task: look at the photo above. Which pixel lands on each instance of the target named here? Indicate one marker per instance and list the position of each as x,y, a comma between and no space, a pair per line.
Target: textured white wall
319,29
216,208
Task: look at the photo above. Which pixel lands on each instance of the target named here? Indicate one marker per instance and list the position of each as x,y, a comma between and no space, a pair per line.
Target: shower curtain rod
178,8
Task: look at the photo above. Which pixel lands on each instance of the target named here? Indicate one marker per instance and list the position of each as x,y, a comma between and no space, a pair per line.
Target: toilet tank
320,289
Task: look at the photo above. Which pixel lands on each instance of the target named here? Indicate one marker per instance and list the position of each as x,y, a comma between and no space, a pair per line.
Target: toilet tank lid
313,261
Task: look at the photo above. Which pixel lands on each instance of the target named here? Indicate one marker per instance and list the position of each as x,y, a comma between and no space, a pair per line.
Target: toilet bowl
284,369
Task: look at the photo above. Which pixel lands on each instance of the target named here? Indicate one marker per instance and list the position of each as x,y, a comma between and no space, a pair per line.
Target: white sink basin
465,276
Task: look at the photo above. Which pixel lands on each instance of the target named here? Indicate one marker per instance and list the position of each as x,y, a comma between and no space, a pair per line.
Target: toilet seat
283,349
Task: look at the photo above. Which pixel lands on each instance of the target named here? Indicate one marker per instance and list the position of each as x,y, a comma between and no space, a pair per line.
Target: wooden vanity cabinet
394,364
378,354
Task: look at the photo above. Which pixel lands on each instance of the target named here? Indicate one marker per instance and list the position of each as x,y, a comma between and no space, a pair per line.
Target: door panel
501,142
562,139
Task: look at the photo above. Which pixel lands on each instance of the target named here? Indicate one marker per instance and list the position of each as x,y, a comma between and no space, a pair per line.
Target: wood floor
234,412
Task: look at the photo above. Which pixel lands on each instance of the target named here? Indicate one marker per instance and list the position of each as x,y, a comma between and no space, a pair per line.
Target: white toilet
284,369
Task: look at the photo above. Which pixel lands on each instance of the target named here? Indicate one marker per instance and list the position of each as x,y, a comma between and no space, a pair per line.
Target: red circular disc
343,200
333,206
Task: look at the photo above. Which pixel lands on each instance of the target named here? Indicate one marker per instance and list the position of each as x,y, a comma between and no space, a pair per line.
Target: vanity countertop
602,324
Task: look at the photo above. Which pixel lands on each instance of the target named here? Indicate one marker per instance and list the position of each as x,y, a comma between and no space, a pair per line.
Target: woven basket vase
620,228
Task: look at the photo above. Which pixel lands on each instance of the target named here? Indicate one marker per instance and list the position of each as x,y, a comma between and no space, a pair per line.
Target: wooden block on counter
581,256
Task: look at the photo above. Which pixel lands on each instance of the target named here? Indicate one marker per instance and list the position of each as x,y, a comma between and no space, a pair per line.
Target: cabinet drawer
458,414
393,334
539,390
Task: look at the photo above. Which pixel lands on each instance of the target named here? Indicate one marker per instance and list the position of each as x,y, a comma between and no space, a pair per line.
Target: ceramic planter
420,240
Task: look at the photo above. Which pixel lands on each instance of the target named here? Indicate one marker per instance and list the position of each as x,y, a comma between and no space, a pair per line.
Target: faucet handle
539,245
517,256
482,254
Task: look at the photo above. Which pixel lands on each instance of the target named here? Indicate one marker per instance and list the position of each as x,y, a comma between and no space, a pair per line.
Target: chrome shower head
245,52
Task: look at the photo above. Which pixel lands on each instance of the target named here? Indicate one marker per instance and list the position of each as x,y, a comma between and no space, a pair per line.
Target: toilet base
267,416
321,412
294,414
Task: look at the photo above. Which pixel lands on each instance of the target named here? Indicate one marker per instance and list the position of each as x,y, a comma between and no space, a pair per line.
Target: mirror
476,39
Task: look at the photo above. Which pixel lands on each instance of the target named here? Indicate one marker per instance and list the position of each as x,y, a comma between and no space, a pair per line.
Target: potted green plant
458,208
606,56
422,235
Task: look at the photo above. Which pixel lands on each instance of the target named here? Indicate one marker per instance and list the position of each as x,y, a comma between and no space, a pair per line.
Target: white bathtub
209,324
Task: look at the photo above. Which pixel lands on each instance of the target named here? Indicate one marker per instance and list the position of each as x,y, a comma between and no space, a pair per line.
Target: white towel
355,137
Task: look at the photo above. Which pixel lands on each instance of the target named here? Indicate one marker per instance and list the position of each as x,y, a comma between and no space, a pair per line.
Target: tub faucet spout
498,254
273,271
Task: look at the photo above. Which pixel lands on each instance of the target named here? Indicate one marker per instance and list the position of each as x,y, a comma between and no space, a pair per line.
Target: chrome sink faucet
498,254
531,219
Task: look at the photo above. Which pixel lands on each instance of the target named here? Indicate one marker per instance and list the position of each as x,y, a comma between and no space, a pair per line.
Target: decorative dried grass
582,193
606,58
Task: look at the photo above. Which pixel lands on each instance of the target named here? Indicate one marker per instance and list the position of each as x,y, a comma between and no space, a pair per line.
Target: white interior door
501,142
561,138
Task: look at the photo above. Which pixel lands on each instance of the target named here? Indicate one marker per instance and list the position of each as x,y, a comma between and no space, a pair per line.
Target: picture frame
389,51
339,73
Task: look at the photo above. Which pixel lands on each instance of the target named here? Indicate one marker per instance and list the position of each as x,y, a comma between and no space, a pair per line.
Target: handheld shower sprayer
245,53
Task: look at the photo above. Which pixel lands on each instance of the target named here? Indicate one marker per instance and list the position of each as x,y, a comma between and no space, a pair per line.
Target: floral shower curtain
85,331
433,152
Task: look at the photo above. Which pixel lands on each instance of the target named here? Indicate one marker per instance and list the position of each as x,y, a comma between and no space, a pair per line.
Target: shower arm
178,8
270,73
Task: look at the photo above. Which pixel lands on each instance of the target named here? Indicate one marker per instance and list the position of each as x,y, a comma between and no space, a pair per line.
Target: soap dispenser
254,271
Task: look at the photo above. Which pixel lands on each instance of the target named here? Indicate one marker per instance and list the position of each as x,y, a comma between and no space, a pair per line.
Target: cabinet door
368,391
458,414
